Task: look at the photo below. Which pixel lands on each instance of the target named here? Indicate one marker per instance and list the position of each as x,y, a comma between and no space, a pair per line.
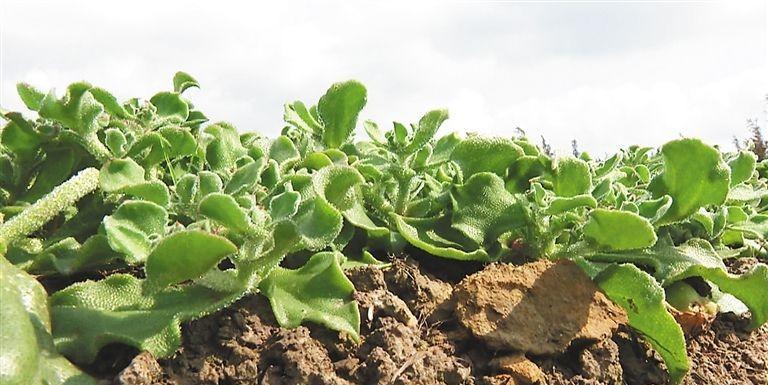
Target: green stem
47,207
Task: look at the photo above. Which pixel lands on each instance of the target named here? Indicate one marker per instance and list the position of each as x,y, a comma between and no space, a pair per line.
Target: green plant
208,214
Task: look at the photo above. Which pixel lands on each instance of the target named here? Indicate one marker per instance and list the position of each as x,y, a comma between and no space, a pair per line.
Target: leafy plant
207,215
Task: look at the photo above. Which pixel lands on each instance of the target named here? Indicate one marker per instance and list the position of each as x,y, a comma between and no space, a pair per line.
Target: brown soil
413,332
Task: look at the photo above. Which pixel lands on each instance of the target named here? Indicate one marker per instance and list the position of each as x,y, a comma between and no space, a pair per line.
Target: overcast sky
608,74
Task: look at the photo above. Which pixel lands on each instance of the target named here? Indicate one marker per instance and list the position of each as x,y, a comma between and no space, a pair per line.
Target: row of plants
170,218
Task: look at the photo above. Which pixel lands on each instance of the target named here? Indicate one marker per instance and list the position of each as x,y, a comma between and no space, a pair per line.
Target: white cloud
606,74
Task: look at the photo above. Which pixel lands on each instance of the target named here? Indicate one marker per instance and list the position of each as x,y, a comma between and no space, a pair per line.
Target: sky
605,73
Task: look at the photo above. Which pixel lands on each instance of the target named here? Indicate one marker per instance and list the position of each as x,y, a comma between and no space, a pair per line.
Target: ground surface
427,323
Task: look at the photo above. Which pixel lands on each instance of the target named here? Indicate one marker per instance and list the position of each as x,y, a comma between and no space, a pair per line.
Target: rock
538,308
143,370
522,369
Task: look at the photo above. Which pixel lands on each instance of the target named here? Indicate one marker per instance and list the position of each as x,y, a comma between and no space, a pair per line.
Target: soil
459,328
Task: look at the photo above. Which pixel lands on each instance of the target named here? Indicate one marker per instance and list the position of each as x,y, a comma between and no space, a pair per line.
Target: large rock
538,308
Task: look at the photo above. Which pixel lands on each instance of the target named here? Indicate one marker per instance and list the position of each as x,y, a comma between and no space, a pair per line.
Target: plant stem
47,207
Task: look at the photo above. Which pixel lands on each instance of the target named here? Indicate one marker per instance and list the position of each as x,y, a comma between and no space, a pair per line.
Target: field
145,244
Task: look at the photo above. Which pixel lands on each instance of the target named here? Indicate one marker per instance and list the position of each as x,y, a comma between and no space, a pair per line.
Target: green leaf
245,178
225,210
28,356
283,151
619,230
170,107
118,309
110,103
154,191
224,150
58,166
742,167
478,154
483,209
130,228
296,114
182,81
317,292
118,174
30,95
560,204
284,205
426,129
181,141
643,300
336,184
432,235
185,255
318,223
373,131
116,141
654,209
697,258
338,110
571,177
78,110
694,176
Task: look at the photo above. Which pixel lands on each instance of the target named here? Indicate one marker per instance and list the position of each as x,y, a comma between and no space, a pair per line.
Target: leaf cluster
193,215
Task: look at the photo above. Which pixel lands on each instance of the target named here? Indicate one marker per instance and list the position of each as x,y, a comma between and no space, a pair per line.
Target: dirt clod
539,307
142,370
429,297
519,367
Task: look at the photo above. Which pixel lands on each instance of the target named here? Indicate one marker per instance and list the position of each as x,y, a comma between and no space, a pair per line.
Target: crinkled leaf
283,150
571,177
432,235
180,140
119,174
643,299
92,314
695,175
130,228
245,178
296,114
225,210
338,110
336,184
317,292
698,258
619,230
483,209
654,209
562,204
154,191
318,223
479,154
742,167
182,81
224,150
284,205
426,129
110,103
185,255
31,96
28,356
170,106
